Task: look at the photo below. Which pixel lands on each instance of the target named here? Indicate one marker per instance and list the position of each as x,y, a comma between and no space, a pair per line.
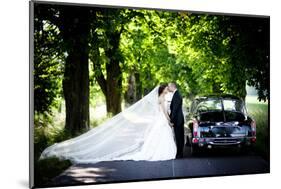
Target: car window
233,105
209,105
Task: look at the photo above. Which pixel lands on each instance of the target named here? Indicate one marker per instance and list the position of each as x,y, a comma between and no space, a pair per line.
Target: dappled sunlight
89,174
98,112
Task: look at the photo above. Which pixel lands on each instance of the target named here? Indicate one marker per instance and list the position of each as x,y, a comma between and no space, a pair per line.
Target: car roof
216,96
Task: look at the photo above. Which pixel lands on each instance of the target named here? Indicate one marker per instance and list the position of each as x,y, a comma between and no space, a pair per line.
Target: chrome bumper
224,141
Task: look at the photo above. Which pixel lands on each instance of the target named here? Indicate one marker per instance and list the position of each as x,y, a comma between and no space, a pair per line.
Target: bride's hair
161,88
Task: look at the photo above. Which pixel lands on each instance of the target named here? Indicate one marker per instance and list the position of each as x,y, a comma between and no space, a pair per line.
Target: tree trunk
134,91
113,87
138,86
114,75
130,95
75,32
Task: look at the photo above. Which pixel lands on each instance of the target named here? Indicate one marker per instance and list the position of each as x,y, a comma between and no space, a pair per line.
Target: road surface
121,171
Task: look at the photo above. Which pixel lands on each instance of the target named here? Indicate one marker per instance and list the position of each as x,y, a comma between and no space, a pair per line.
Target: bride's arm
162,104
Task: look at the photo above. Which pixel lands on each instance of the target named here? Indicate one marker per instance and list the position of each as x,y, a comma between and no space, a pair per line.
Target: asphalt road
203,165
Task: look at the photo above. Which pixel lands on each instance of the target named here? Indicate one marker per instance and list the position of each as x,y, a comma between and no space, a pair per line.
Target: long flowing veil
123,134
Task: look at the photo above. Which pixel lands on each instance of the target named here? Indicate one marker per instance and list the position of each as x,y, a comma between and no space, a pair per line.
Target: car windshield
216,105
233,105
209,105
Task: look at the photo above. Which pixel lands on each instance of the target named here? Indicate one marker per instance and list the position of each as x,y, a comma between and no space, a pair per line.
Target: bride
140,132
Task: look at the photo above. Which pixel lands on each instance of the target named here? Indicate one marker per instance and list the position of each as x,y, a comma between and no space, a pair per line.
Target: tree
146,53
225,52
75,31
48,67
249,51
73,24
106,55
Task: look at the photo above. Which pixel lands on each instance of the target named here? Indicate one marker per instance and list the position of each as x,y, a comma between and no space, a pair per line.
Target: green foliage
248,52
259,112
202,53
48,64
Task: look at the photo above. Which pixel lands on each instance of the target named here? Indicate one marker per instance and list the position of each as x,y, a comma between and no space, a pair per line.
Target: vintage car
216,121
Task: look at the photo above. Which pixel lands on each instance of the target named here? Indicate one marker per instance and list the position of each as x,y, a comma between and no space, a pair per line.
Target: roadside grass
259,112
48,130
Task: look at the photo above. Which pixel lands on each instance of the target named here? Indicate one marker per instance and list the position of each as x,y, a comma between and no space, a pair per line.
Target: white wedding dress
140,132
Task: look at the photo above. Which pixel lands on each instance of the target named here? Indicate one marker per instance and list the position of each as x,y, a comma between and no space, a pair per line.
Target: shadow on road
219,152
208,163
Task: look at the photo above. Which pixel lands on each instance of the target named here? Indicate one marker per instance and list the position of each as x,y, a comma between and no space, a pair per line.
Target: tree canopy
130,51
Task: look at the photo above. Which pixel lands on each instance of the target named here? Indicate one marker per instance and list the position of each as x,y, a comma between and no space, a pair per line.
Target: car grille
225,141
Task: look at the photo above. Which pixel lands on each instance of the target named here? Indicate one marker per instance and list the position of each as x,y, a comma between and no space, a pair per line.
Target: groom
177,119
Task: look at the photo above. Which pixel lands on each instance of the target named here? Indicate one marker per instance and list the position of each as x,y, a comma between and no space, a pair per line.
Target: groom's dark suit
177,119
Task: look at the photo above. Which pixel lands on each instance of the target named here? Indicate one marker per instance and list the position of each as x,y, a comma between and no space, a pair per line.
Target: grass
48,129
259,112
